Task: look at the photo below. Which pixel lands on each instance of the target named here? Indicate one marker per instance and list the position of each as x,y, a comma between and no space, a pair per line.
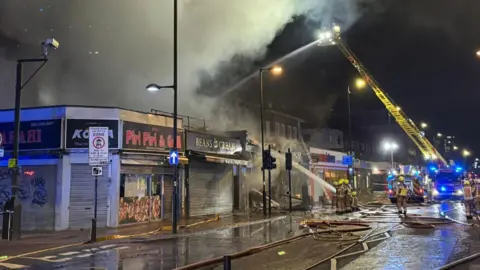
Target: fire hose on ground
254,250
459,262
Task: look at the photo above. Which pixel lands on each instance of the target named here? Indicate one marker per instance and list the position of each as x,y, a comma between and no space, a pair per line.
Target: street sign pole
93,236
98,155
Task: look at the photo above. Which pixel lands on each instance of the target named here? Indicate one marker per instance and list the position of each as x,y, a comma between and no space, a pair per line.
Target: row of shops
56,186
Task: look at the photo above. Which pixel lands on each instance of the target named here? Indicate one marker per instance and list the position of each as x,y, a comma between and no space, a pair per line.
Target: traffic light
273,165
288,161
266,160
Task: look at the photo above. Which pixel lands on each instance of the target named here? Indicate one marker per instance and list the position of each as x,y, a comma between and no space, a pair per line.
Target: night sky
421,52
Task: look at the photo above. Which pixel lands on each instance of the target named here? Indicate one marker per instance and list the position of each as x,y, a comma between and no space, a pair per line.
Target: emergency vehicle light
443,189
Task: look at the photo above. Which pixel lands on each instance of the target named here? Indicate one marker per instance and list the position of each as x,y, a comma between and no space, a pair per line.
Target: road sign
2,152
12,163
173,157
97,171
347,160
98,146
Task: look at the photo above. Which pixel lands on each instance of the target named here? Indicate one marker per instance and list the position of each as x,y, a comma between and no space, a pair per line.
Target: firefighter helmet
346,181
401,178
335,183
466,183
354,193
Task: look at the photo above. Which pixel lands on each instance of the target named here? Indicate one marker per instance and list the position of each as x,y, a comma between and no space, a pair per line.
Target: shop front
215,175
40,144
326,165
82,183
146,177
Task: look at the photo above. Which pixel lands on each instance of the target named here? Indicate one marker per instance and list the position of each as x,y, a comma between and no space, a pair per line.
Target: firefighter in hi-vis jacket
402,192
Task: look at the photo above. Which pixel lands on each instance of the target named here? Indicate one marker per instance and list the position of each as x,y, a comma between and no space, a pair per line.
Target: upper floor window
339,140
277,129
283,130
289,132
295,133
330,138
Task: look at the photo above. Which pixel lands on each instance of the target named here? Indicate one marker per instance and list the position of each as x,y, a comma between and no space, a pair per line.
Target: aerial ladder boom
423,144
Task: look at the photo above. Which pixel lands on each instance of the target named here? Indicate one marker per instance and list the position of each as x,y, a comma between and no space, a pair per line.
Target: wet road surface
402,248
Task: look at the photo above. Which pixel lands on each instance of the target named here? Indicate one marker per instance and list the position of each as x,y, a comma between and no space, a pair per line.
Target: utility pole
264,193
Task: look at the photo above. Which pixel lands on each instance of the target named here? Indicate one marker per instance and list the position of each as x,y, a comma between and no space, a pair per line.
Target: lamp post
465,154
276,70
156,87
359,84
13,206
391,146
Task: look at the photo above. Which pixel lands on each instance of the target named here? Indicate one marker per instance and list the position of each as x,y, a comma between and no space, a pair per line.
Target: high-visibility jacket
467,193
402,190
341,191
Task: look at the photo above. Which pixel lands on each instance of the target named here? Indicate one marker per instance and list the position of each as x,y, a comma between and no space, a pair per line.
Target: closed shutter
211,188
168,195
82,197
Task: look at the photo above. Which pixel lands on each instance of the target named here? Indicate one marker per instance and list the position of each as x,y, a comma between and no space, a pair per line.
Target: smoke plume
110,49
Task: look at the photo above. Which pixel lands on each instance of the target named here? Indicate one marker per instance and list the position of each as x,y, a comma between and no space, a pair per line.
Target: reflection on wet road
403,247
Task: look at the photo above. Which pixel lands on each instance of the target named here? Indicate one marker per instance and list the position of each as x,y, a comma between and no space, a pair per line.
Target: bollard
227,262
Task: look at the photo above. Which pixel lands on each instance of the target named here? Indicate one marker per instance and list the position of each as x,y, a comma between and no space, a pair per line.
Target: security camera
48,45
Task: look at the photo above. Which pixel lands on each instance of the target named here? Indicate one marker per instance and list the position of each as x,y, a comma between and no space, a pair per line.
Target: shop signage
34,135
138,136
77,132
208,143
323,158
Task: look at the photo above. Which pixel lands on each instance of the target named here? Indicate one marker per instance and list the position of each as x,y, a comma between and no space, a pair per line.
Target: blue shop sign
34,135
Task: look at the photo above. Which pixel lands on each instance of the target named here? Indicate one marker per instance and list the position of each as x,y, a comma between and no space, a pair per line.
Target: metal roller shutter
211,188
168,194
82,197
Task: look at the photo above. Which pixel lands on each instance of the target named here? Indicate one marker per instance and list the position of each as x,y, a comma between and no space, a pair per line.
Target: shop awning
331,166
219,158
150,159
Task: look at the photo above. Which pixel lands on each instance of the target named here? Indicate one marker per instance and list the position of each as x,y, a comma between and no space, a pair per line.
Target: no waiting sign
98,146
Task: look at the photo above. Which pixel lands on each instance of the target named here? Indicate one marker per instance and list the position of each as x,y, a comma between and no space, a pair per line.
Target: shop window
139,198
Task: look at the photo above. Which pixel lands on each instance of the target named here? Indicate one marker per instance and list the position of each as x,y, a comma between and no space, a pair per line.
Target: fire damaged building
216,173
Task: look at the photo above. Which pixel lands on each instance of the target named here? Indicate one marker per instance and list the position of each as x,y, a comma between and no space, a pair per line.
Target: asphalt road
401,248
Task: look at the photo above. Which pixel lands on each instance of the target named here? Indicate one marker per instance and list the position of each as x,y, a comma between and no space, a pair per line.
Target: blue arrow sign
173,157
347,160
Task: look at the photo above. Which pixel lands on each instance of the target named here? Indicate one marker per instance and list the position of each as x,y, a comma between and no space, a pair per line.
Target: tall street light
391,146
275,70
359,84
156,87
465,154
14,225
423,125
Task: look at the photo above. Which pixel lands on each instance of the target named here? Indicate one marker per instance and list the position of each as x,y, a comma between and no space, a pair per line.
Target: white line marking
69,253
86,250
94,249
124,247
12,265
46,258
84,255
108,246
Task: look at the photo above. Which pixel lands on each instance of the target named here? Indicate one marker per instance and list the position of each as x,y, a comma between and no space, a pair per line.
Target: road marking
12,265
69,253
45,258
94,249
84,255
124,247
107,246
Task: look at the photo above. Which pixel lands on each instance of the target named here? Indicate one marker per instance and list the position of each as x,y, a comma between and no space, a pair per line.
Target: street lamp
174,86
390,146
455,147
154,88
14,225
439,135
275,70
359,84
423,125
478,53
466,153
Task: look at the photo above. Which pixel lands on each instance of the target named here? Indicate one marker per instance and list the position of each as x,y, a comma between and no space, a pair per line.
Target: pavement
390,242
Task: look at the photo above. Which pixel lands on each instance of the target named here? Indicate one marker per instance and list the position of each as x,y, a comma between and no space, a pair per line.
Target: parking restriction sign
98,146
